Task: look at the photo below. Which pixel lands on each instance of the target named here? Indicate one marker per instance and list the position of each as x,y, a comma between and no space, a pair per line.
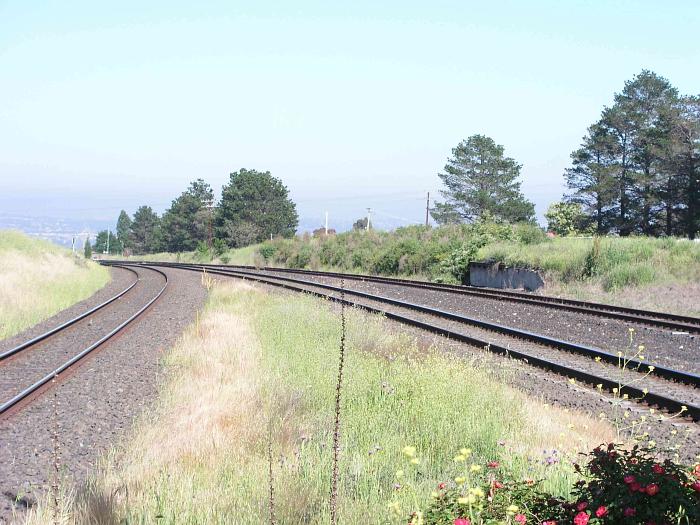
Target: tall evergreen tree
87,248
685,158
186,223
254,205
481,181
123,228
144,232
107,242
589,178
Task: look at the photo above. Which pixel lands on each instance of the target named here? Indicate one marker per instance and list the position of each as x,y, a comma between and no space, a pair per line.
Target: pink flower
634,487
582,506
497,484
696,486
601,511
441,485
629,512
657,469
550,522
629,478
462,521
652,489
520,518
581,519
492,464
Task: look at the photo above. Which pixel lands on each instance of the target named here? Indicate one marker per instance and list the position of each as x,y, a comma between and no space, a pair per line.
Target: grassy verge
39,279
259,362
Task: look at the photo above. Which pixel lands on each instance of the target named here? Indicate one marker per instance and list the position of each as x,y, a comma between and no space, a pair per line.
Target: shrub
267,251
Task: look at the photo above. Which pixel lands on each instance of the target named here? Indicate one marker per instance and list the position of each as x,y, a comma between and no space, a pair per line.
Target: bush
267,251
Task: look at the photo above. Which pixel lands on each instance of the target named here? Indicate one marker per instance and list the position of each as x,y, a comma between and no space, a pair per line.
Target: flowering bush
618,486
633,486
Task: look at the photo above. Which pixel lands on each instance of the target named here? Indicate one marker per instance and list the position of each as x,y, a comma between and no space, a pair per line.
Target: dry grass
39,279
200,455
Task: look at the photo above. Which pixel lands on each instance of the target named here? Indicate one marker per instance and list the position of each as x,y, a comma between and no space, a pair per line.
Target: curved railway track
685,383
36,362
645,317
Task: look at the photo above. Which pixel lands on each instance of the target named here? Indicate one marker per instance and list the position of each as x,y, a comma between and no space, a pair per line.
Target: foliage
619,486
188,220
144,233
87,249
638,168
123,228
565,218
479,180
106,239
254,206
361,224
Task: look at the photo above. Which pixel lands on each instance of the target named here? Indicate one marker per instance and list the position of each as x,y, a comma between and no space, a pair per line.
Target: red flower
492,464
601,511
441,485
658,469
462,521
635,487
581,519
582,506
652,489
629,512
520,518
696,486
497,484
629,478
696,471
550,522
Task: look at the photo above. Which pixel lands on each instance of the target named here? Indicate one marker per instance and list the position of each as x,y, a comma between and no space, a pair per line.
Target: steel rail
31,342
649,398
659,319
7,405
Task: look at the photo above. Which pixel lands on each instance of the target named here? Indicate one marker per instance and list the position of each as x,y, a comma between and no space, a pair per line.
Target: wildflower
629,478
460,480
658,469
442,485
409,451
475,468
512,509
394,507
462,521
399,473
520,518
459,458
599,386
572,381
652,368
435,494
652,489
415,461
498,485
582,506
597,359
477,492
629,512
550,522
696,486
466,452
619,354
601,511
683,408
492,464
581,518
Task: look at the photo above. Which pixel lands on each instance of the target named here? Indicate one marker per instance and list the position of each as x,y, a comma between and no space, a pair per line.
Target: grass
38,279
201,456
247,255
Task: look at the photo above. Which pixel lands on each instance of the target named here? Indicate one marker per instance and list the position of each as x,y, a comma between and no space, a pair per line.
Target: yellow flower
409,451
652,368
466,452
399,473
462,501
684,408
512,509
615,390
619,354
434,494
459,458
475,468
597,359
477,492
460,480
599,386
572,381
625,396
415,461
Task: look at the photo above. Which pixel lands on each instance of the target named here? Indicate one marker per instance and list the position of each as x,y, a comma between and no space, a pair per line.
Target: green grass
200,456
38,279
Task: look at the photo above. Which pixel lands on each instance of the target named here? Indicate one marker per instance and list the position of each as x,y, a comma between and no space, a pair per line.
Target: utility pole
427,210
211,235
109,233
369,217
73,245
326,224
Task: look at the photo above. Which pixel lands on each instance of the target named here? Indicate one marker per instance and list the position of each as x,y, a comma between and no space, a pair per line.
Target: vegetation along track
645,317
666,388
27,367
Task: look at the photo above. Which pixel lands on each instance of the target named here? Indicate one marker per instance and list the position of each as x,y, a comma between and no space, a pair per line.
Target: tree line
254,206
637,171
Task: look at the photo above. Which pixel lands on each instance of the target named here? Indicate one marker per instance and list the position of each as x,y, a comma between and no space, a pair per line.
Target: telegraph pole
326,224
108,235
369,217
211,235
427,210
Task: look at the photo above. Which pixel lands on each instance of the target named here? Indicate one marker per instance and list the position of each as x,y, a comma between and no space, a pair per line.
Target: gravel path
97,403
662,347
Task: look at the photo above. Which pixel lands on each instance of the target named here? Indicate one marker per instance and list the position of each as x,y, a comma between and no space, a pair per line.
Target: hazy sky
354,104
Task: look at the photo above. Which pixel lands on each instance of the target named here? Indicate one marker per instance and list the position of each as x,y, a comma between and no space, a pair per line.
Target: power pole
369,217
326,224
73,245
427,210
211,235
108,235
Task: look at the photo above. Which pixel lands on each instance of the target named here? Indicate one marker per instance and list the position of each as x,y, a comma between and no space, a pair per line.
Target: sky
353,105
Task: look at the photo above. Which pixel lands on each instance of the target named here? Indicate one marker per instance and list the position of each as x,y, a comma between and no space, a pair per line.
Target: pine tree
87,248
480,182
144,234
123,227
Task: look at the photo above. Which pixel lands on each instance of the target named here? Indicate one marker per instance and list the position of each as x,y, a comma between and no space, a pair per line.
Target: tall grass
202,455
38,279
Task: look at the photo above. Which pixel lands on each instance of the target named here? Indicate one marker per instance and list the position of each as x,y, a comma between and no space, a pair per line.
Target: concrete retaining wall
497,275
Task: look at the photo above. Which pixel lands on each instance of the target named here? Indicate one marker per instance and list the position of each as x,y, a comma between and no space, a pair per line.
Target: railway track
28,367
663,320
669,389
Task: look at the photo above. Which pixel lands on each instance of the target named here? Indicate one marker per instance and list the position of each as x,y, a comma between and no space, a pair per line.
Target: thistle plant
338,398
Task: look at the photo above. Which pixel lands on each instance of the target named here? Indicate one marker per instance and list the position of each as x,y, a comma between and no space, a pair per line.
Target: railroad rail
651,398
664,320
48,377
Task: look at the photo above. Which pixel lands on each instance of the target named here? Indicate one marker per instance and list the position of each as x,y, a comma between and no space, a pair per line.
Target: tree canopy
254,206
479,180
188,220
123,228
144,233
638,167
